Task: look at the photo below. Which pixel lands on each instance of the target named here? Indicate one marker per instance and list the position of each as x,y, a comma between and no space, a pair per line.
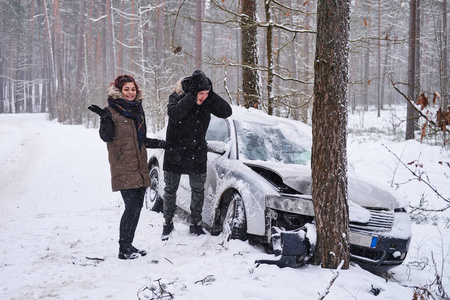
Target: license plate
363,240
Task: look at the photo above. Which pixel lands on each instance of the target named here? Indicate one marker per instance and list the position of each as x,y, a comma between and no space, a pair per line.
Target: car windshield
258,141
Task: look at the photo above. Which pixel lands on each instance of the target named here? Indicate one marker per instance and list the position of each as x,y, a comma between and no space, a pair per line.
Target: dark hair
122,79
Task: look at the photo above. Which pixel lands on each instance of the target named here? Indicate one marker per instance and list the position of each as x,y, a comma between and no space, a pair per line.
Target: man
189,110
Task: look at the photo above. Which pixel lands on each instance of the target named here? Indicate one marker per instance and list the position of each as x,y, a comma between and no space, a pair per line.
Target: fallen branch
438,281
207,279
95,258
336,275
160,293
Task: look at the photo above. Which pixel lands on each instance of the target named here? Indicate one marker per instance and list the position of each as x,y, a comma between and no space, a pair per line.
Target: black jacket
186,149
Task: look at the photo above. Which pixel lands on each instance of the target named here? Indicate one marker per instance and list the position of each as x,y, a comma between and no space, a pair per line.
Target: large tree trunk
329,151
249,52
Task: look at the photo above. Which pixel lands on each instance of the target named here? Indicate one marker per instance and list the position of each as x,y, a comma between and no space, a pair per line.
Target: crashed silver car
259,188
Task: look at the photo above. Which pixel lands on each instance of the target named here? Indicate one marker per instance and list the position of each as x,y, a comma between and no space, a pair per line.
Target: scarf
134,111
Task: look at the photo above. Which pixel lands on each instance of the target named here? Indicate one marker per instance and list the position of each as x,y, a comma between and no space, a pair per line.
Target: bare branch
261,24
292,9
419,178
413,104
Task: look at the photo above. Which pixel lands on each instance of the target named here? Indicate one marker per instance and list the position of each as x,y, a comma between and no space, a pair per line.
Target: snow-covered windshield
258,141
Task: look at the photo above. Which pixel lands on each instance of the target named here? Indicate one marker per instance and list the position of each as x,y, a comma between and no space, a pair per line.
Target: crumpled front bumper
373,252
386,253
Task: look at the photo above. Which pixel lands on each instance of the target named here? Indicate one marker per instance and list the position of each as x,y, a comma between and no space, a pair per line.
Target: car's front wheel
234,225
153,200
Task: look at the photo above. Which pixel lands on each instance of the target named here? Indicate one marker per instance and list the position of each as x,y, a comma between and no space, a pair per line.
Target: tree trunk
30,82
444,58
60,99
111,41
79,104
366,80
379,102
417,84
198,34
270,61
249,52
2,79
444,104
119,58
385,68
411,70
329,151
159,45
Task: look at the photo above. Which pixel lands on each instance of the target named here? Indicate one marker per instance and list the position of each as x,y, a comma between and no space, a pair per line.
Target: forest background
60,56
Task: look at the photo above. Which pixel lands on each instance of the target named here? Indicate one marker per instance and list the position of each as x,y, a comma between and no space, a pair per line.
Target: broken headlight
296,205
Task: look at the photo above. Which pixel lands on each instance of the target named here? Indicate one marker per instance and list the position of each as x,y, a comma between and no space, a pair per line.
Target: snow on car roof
255,115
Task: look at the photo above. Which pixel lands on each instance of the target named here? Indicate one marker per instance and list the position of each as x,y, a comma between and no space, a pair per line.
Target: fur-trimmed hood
180,87
115,93
197,82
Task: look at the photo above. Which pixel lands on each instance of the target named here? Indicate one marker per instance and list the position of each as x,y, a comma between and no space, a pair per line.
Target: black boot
141,252
127,252
196,229
167,230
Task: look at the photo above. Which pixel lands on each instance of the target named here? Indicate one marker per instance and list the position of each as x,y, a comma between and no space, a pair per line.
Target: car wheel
234,224
153,200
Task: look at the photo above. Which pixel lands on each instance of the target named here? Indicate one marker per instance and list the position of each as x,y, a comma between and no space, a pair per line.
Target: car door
217,136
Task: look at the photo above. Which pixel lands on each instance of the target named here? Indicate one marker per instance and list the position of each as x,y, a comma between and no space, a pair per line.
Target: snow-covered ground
59,227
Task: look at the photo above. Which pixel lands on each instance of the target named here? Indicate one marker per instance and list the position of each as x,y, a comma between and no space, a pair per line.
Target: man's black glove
103,113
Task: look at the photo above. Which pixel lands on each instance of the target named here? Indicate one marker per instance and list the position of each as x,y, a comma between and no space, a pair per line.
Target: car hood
298,177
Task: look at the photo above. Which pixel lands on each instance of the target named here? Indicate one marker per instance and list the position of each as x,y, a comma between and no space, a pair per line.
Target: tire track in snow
22,150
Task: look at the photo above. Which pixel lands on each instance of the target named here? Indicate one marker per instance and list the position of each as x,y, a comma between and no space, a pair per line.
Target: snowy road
40,163
22,156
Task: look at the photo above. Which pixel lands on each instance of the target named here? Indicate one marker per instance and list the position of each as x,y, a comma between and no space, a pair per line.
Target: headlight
294,205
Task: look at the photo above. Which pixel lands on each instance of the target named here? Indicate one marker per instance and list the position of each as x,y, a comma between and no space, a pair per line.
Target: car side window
218,130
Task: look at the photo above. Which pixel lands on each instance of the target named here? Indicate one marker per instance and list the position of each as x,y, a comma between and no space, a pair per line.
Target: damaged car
258,188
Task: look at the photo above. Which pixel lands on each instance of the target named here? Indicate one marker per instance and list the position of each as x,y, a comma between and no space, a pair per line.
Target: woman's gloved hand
103,113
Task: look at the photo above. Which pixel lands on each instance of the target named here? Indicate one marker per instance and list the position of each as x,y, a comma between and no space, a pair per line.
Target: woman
123,128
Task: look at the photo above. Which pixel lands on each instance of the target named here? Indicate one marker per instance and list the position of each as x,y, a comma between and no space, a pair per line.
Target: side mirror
217,147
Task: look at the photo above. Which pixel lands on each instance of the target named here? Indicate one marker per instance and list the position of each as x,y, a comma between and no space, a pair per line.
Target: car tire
234,225
153,201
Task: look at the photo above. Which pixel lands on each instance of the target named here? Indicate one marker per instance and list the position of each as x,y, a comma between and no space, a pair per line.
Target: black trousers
134,200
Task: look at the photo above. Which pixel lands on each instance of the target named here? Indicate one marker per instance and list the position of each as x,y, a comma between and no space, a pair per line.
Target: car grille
380,220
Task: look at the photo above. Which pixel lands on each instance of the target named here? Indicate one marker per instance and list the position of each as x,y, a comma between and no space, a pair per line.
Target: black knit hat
200,81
